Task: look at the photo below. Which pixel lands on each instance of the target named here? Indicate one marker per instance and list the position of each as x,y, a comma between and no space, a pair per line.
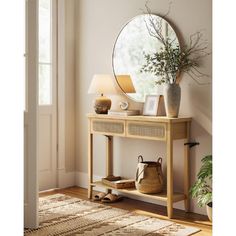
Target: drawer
112,127
146,130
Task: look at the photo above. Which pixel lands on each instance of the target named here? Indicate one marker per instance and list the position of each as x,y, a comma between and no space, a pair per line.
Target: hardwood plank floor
189,219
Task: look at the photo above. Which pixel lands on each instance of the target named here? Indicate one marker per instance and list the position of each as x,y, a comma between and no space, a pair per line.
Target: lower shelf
158,196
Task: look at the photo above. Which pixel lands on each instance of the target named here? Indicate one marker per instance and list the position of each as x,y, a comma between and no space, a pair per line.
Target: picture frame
151,105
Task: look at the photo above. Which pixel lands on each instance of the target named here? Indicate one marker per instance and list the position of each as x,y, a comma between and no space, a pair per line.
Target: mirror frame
177,39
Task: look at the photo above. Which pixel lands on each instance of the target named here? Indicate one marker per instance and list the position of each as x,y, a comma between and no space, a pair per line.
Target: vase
209,210
172,95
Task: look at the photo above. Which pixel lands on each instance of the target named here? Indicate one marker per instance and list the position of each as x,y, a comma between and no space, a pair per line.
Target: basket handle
140,157
159,171
159,160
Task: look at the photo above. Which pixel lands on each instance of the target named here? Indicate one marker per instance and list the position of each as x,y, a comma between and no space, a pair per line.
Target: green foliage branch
202,188
171,60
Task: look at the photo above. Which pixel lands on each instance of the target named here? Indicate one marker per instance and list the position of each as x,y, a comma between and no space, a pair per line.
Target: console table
142,127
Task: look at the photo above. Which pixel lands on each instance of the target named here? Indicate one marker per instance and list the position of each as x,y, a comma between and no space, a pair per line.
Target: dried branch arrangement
171,60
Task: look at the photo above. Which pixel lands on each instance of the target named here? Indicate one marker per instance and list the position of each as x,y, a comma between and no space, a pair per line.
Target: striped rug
64,215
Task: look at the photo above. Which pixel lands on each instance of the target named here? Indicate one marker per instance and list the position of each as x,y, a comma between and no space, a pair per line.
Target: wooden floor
189,219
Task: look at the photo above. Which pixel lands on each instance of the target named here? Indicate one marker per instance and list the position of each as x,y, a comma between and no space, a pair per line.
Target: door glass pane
45,84
45,60
44,30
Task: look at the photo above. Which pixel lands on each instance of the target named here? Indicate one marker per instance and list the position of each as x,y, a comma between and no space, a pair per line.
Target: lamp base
102,105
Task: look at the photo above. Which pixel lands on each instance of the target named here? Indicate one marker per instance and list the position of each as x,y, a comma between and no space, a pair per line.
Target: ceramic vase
172,96
209,211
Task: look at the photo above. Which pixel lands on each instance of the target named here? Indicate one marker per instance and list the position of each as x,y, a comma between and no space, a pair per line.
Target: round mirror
132,43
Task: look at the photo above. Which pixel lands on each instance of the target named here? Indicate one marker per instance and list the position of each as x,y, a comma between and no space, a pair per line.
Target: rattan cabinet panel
108,127
149,130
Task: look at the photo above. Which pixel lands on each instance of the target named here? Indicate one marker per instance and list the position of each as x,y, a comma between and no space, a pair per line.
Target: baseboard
66,179
82,181
29,218
25,214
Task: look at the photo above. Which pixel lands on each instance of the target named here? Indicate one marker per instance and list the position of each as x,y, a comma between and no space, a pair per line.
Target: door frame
31,112
52,108
31,116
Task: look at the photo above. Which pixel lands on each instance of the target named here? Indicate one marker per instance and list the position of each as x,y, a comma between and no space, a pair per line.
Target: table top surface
163,119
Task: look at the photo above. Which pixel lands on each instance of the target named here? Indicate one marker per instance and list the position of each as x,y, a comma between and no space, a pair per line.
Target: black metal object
109,137
192,144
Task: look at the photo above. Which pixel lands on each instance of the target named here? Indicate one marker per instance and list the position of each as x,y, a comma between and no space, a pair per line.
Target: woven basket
152,181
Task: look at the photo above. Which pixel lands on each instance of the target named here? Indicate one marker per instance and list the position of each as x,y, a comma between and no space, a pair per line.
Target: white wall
97,26
66,91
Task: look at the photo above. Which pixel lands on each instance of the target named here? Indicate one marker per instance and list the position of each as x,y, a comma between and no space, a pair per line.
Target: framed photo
151,105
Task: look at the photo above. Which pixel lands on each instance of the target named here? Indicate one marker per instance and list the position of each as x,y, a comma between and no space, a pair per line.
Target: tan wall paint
66,93
97,26
70,85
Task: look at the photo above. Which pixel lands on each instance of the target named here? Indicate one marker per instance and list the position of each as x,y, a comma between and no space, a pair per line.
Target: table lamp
126,85
102,84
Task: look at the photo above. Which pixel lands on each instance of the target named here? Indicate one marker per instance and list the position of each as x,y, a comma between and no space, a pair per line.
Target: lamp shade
102,84
126,83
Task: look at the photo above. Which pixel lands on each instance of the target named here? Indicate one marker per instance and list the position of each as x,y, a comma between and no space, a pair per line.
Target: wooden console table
142,127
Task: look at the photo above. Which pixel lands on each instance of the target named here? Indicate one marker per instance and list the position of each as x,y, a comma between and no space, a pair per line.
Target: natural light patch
45,60
74,216
133,42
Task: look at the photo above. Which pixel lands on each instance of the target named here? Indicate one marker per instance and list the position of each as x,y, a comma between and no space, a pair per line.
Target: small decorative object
202,189
126,85
170,61
151,105
102,84
124,105
149,176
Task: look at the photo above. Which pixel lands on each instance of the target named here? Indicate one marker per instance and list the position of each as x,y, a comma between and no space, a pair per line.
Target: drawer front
148,130
108,127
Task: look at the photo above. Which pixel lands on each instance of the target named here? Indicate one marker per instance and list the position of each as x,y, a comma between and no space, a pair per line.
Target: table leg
109,158
109,155
90,165
186,170
169,152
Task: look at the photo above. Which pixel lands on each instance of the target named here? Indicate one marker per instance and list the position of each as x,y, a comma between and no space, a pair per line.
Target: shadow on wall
127,150
201,135
201,97
196,102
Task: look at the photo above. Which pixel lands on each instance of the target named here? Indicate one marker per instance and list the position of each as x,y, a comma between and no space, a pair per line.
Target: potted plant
202,188
171,60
